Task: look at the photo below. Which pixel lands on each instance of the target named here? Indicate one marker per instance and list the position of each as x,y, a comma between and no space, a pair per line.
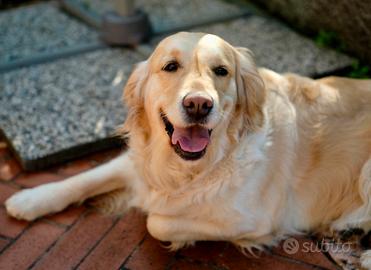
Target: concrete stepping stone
274,46
279,48
175,15
38,30
52,112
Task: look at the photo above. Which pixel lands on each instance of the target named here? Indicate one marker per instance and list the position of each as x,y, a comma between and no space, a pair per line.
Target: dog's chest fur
241,194
263,190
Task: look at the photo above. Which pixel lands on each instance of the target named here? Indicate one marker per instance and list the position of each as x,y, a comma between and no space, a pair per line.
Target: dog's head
194,96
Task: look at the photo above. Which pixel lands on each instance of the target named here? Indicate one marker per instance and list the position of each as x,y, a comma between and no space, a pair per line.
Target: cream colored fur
287,153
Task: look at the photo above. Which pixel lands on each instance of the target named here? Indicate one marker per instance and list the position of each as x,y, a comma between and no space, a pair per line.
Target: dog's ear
133,96
251,91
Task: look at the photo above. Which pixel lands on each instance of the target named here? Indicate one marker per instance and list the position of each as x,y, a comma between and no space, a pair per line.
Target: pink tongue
192,139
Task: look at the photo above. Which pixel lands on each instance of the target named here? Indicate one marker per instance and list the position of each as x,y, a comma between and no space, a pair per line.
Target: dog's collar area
169,128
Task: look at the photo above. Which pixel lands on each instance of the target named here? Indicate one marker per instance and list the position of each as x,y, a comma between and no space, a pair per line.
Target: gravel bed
37,29
277,47
48,108
274,46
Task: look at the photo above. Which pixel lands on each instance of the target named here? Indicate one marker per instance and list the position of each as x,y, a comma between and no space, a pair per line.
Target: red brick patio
80,238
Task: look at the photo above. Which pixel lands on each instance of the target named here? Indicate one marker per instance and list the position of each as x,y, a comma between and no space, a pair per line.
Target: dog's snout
197,106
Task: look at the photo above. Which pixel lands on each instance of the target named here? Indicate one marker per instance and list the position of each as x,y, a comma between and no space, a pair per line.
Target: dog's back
333,148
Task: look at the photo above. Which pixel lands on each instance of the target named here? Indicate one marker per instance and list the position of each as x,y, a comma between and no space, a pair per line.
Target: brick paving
81,238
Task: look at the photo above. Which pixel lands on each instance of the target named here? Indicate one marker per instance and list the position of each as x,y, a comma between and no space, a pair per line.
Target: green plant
359,70
329,39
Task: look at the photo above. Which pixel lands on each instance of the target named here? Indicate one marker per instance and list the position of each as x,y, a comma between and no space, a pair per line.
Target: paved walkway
80,238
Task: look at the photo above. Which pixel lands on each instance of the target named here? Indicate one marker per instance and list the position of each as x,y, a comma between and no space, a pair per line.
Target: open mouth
189,143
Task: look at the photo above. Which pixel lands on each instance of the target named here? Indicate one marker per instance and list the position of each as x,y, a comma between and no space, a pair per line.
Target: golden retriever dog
221,150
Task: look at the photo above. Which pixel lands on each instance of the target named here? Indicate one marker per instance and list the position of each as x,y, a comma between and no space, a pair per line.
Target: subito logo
291,246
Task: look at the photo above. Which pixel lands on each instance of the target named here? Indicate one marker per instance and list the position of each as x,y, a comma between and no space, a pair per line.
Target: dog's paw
30,204
25,204
176,245
22,205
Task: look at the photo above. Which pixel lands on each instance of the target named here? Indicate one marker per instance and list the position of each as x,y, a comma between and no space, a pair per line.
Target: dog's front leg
181,231
30,204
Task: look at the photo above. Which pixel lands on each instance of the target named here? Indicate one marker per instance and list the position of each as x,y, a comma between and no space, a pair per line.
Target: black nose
197,106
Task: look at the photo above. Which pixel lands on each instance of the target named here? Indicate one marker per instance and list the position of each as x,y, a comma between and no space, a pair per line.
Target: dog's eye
220,71
171,66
